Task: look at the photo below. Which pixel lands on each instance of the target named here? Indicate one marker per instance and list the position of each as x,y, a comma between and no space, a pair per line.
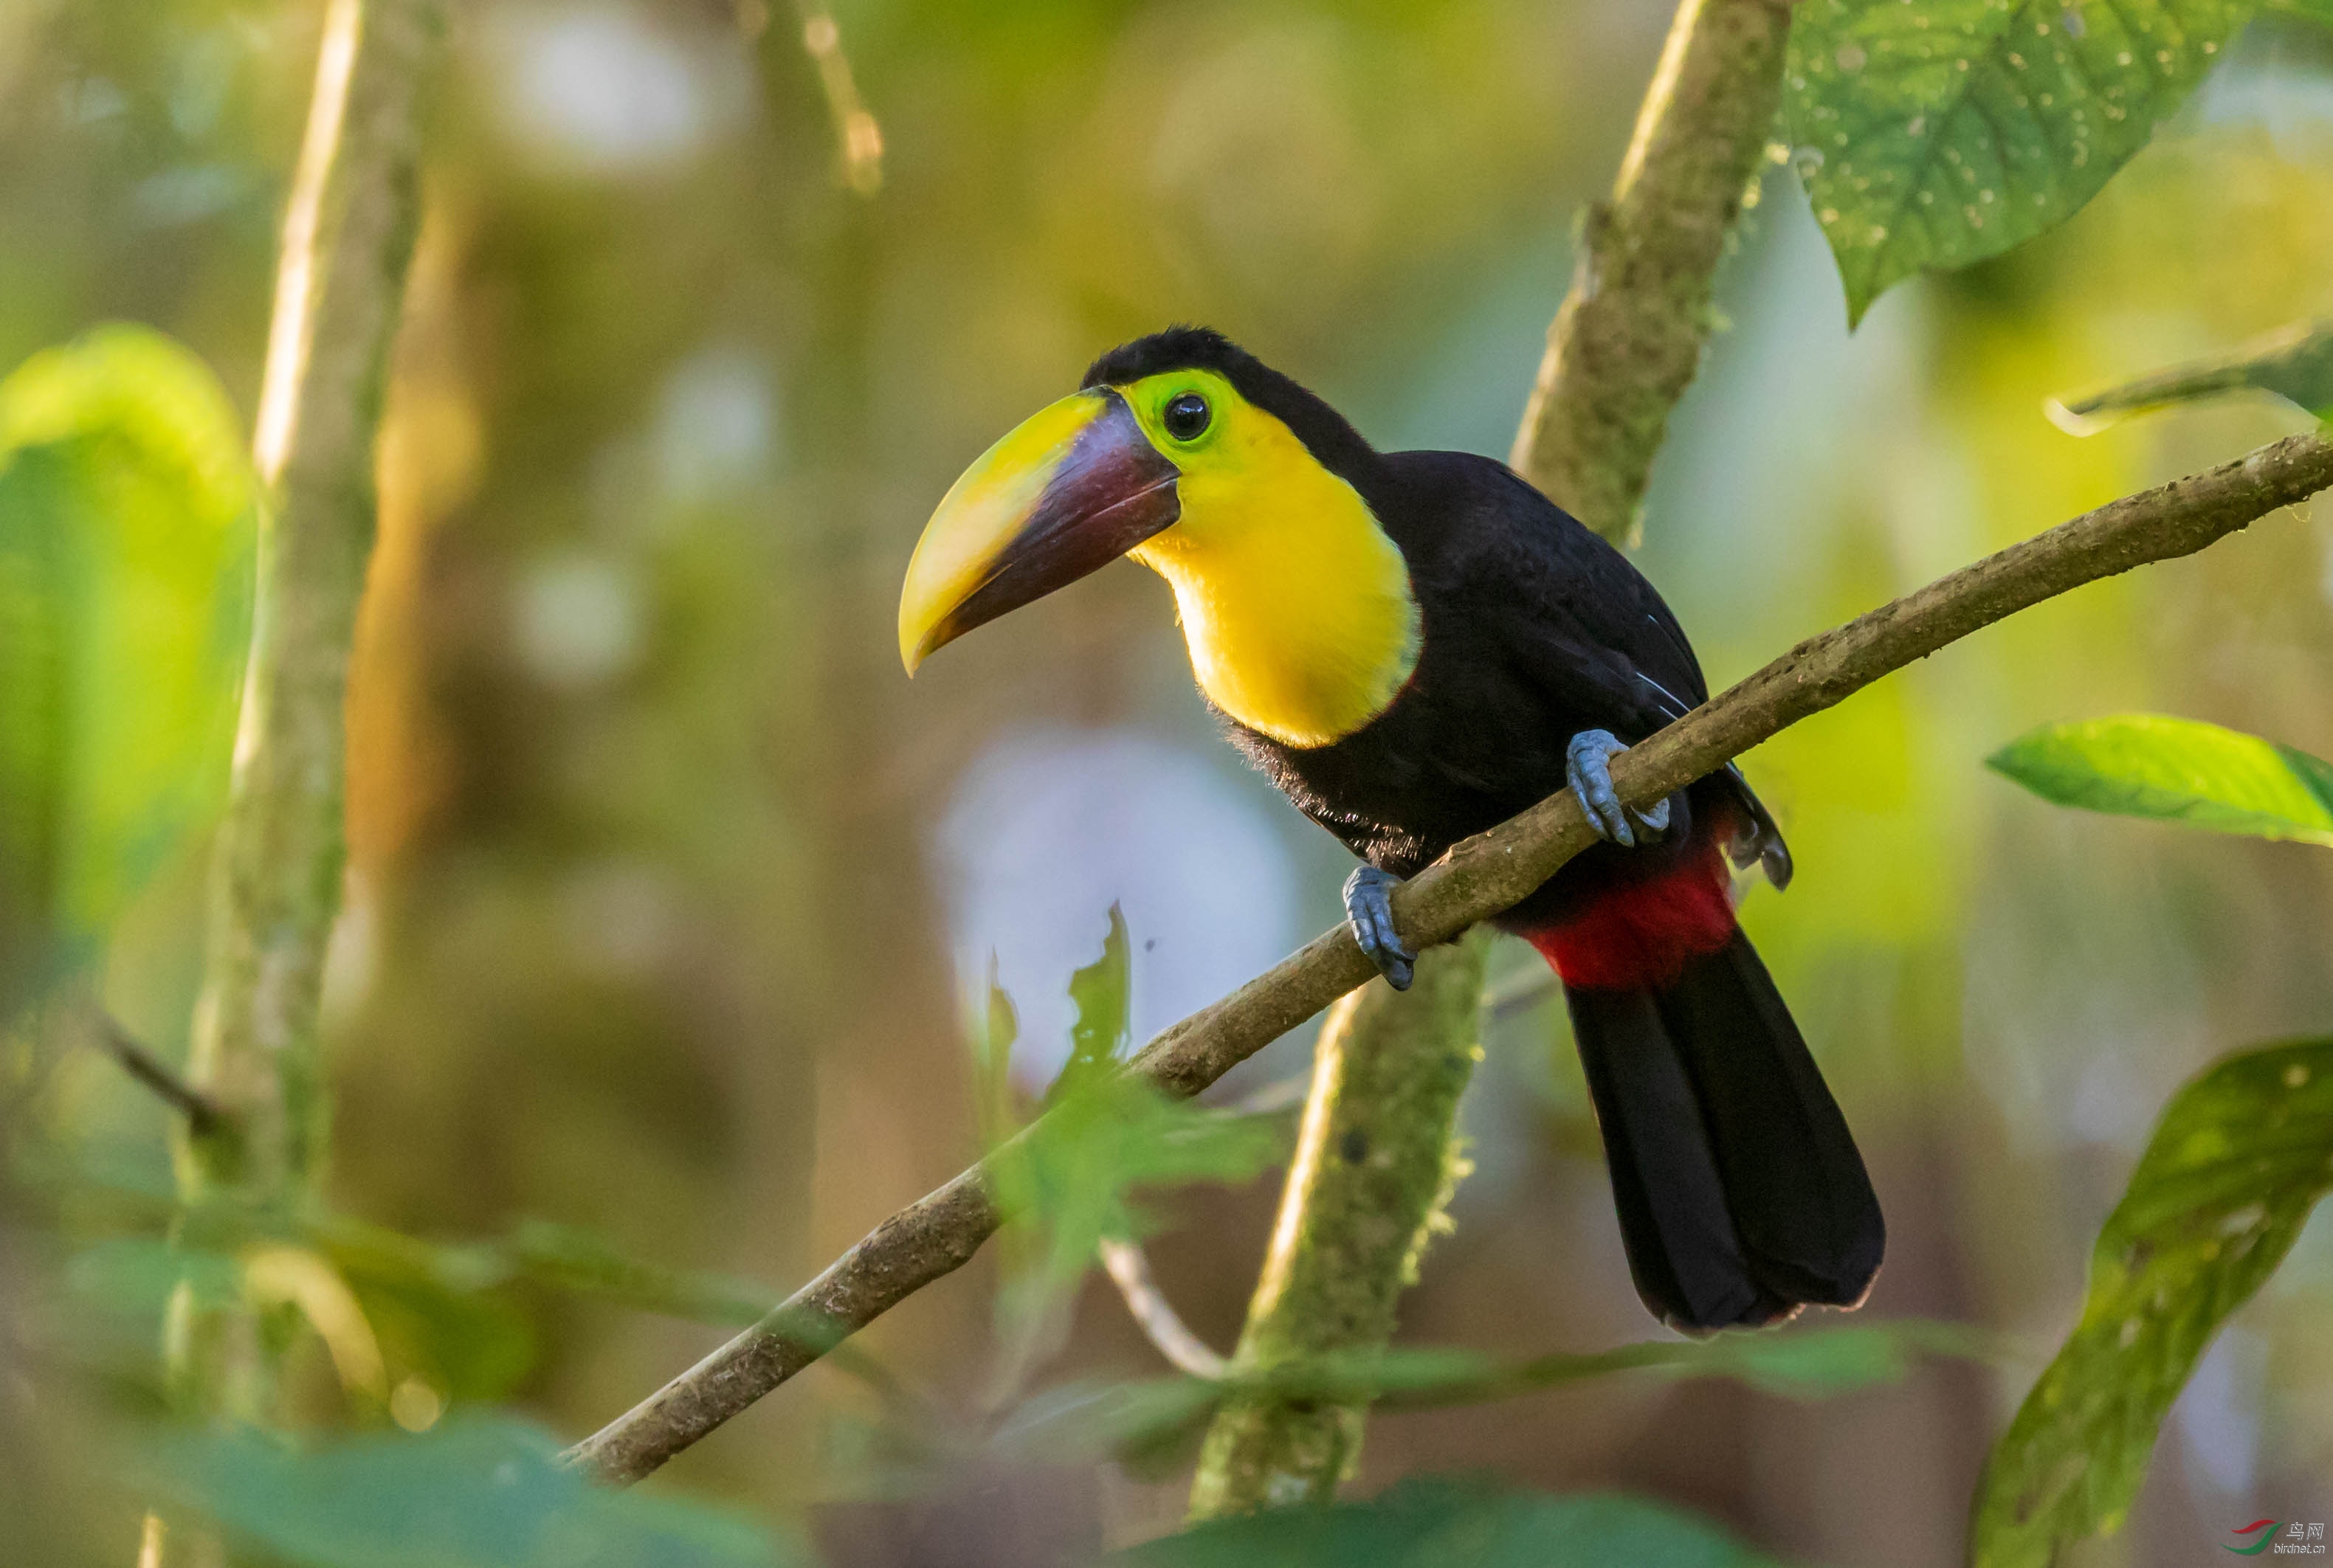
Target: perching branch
1629,334
1478,878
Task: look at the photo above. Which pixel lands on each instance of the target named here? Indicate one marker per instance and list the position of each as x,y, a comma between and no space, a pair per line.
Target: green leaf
1065,1184
1070,1424
2241,1157
1099,991
469,1494
1435,1523
2176,771
1935,133
1064,1181
126,531
2294,363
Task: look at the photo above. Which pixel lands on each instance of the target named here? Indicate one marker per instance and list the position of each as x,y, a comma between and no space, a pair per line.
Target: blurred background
670,896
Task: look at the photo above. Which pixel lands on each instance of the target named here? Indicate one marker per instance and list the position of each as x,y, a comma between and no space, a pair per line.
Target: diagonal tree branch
1477,879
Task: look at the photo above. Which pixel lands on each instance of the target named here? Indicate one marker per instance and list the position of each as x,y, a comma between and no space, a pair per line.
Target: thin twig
1478,878
1128,1267
205,1117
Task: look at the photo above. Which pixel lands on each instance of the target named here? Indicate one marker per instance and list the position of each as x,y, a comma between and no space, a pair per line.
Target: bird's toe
1368,908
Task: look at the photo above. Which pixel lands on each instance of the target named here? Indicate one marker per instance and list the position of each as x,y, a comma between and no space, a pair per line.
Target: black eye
1185,416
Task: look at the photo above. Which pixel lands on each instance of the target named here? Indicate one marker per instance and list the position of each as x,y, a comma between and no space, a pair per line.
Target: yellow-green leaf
125,555
2294,363
2176,771
1935,133
2241,1157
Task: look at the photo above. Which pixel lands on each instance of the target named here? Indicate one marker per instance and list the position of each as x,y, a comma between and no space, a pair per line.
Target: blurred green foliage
2176,771
1065,1182
126,514
2241,1157
471,1494
1432,1524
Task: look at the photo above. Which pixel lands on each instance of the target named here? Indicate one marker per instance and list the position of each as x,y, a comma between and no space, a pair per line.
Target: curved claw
1588,769
1368,907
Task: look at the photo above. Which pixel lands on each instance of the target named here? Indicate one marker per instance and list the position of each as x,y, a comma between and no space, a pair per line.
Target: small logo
2282,1537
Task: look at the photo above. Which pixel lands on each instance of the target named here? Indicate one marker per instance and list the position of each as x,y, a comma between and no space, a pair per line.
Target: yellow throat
1295,604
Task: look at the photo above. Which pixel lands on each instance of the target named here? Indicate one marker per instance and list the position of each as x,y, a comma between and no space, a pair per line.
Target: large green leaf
470,1494
1934,133
1433,1523
125,548
2294,363
2176,771
2242,1155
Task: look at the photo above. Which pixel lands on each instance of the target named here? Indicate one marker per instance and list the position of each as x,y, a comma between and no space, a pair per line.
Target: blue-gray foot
1368,905
1588,769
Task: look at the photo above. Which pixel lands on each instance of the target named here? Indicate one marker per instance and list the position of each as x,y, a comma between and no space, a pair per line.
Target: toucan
1414,647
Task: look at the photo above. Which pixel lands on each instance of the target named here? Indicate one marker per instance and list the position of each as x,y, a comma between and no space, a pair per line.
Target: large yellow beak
1072,489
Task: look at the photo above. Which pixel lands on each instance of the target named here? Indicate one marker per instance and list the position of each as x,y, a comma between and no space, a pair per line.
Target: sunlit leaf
2294,363
125,548
470,1494
2240,1158
2176,771
1433,1523
1935,133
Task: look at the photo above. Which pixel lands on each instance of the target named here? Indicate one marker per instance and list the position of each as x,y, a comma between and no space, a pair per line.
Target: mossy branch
1477,879
1628,337
348,238
1374,1163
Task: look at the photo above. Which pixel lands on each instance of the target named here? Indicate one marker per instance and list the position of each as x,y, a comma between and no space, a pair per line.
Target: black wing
1571,617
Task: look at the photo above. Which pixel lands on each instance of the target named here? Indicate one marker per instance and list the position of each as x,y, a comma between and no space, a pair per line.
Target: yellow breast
1295,604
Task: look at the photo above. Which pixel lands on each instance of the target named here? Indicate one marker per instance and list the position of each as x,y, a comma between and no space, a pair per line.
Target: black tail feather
1739,1187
